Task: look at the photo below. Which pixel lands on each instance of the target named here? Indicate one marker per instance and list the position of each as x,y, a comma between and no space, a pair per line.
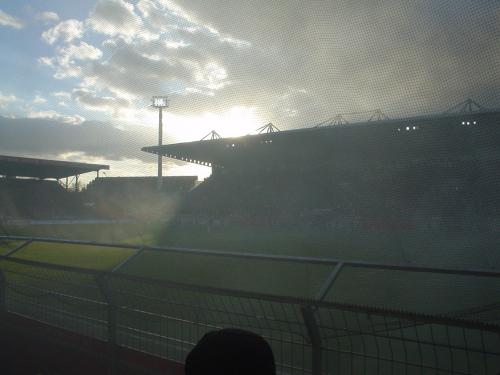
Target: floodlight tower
160,102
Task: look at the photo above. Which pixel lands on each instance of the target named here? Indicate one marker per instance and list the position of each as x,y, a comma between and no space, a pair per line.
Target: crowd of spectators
390,197
136,197
328,195
36,199
104,198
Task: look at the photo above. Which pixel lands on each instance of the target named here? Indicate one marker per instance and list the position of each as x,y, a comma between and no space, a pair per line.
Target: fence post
3,296
309,316
112,323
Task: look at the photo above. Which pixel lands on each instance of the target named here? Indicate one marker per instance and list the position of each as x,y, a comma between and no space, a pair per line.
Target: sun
236,121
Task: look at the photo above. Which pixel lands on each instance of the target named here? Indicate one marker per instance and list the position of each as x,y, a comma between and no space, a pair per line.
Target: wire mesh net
358,342
167,318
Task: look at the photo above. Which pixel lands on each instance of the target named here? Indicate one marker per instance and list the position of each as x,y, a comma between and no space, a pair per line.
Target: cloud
61,94
155,13
115,17
132,74
46,61
289,64
184,55
53,115
351,56
48,17
212,76
140,68
10,21
6,99
81,51
66,30
91,101
71,59
39,100
47,133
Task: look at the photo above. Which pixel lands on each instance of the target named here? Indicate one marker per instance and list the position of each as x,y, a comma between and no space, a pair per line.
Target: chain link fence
315,336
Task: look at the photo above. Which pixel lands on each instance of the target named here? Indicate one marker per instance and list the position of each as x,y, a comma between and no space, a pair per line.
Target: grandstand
389,141
396,179
31,189
135,184
136,197
14,166
415,171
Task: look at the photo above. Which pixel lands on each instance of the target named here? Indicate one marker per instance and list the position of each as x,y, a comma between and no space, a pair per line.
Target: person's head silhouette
231,352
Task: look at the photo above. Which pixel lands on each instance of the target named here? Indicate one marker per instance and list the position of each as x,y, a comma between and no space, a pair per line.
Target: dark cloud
90,100
145,67
405,57
52,137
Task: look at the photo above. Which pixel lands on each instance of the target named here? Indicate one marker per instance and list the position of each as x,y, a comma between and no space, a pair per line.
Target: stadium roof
297,145
14,166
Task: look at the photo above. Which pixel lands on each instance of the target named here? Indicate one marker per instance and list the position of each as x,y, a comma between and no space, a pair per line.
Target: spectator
231,352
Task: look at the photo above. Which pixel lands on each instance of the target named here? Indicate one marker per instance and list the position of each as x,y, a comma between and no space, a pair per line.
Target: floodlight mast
160,102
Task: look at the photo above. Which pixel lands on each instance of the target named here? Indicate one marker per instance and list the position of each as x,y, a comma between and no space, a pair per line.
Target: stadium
241,188
399,214
413,171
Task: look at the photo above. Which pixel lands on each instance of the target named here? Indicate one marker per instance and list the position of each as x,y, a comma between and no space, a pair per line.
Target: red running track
29,347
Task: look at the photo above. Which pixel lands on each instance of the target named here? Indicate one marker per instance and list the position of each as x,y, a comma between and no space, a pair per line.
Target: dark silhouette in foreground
231,351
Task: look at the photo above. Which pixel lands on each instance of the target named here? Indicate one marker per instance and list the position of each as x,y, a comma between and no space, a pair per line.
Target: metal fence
315,335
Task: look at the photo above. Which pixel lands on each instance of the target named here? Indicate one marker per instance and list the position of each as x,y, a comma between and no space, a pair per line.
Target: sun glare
237,121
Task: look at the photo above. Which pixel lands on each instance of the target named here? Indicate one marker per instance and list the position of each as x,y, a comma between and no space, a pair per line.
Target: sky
77,77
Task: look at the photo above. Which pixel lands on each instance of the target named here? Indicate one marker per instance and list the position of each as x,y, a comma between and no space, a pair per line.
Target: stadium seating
389,196
36,199
103,198
136,197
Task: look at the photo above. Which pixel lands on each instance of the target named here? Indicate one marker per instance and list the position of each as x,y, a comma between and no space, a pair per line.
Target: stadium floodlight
160,102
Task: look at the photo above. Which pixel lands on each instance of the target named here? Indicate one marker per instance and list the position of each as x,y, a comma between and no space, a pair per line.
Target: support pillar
112,354
3,296
309,316
160,142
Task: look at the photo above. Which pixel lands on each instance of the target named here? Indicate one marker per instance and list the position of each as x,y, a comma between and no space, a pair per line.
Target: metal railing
309,335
